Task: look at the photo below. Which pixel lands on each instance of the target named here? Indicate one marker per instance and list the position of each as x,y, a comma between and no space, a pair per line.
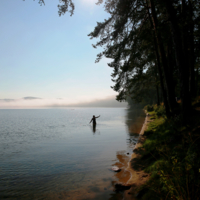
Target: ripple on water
55,154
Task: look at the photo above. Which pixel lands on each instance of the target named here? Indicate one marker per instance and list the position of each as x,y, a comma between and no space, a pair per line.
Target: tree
63,7
133,29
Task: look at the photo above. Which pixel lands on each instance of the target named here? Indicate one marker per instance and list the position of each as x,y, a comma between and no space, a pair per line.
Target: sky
50,59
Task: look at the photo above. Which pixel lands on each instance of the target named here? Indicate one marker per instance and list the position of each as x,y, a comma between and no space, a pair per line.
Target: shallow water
56,153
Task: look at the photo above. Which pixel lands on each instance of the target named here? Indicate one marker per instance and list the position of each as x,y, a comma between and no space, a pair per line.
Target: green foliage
149,108
172,158
159,110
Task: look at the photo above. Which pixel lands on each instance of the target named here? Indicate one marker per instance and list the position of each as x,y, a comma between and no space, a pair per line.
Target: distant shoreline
36,102
60,107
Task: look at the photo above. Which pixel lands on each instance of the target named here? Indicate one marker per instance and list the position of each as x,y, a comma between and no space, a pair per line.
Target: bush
171,151
159,110
149,108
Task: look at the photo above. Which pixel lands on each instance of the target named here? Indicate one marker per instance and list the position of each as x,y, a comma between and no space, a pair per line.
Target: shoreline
137,177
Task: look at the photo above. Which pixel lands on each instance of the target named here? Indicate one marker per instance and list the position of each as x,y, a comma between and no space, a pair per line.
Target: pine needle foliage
63,7
152,44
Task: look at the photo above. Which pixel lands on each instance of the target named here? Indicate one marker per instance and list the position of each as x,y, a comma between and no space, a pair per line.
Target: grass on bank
171,153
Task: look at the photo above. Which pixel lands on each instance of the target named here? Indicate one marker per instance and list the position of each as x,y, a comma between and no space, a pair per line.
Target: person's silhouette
94,120
94,123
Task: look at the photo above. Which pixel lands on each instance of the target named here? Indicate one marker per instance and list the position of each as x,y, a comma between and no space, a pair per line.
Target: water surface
56,153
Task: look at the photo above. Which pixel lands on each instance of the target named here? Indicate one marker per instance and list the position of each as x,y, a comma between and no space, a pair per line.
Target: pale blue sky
47,56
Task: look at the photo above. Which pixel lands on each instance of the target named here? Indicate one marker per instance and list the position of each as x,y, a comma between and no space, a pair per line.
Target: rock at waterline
116,169
121,187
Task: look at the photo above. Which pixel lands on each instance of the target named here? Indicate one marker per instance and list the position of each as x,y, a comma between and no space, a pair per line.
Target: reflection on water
134,120
93,128
51,154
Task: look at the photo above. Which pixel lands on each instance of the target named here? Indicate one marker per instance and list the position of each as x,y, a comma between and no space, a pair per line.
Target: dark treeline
154,45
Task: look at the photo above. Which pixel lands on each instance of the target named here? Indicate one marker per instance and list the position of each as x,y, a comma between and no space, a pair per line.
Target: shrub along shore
166,162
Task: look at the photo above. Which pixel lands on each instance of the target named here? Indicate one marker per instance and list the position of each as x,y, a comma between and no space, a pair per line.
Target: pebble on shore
116,169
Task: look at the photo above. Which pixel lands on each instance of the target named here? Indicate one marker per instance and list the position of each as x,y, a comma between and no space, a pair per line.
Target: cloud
7,100
31,98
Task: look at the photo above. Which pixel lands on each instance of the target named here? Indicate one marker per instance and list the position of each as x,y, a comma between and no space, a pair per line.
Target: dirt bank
138,176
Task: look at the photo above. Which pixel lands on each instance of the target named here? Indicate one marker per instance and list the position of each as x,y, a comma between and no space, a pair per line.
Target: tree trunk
180,59
192,86
157,87
164,93
169,86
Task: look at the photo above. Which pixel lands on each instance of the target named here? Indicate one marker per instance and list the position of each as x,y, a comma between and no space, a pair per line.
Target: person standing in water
94,120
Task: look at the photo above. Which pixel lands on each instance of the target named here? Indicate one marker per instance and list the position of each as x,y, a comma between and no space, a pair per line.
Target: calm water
56,154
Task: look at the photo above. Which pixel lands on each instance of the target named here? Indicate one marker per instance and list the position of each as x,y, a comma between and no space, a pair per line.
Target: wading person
94,123
94,120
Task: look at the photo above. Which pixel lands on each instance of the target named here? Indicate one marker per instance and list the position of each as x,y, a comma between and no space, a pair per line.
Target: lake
56,154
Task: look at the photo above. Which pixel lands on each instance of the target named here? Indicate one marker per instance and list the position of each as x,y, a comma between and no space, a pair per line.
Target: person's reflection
94,127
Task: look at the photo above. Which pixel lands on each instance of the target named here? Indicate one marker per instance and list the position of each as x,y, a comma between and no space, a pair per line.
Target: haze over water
56,153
